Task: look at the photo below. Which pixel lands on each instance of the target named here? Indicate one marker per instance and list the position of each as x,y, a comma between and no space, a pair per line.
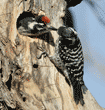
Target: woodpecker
35,25
69,58
71,54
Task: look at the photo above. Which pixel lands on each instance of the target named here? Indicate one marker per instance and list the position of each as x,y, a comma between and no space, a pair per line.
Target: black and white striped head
33,24
30,23
68,34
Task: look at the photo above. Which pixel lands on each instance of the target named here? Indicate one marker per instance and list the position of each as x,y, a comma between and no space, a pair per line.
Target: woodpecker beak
51,28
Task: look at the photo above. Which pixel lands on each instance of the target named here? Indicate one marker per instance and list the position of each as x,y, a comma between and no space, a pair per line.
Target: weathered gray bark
42,88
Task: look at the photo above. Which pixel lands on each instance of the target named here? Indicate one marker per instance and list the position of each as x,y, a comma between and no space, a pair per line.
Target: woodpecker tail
77,92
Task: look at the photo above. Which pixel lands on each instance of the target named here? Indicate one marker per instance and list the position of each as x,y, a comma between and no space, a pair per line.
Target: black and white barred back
71,54
73,59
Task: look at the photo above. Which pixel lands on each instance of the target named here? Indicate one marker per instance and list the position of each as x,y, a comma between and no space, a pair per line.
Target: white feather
31,24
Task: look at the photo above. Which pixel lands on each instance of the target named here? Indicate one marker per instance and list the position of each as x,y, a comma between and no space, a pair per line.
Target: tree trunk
28,83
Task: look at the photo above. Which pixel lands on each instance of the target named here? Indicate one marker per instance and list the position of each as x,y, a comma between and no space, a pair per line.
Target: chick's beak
51,27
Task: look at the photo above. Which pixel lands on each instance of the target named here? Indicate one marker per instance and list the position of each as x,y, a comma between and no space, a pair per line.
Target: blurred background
88,20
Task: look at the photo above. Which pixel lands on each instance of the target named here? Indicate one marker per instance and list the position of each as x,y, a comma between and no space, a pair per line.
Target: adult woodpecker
69,59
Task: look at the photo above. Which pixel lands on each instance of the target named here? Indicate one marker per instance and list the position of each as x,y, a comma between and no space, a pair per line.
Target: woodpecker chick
69,58
35,26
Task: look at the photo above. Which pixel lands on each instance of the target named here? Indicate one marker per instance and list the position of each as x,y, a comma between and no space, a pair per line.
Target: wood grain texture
35,84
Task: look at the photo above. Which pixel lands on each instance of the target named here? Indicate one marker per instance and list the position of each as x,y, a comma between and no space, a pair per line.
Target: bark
28,83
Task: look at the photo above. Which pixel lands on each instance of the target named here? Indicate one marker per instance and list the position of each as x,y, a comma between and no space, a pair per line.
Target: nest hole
23,29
